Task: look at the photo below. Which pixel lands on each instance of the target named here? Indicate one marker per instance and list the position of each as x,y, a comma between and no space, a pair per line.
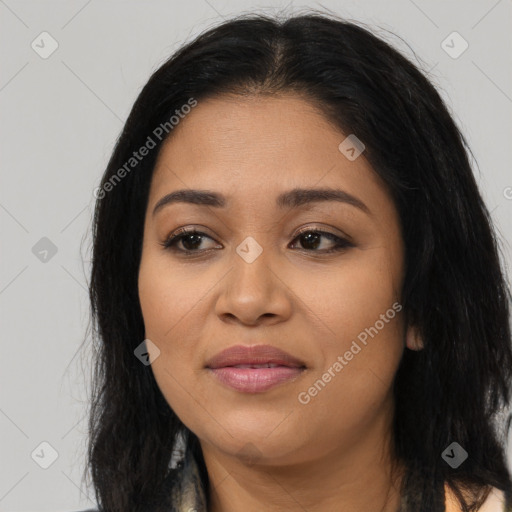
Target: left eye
310,240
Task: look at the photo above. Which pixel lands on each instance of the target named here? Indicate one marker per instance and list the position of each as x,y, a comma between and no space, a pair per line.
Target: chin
256,446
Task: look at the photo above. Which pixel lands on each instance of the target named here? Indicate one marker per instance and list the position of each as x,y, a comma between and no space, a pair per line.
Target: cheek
169,298
345,301
173,309
352,387
358,312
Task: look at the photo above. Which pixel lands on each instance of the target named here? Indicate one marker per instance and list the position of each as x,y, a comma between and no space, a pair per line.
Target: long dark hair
454,390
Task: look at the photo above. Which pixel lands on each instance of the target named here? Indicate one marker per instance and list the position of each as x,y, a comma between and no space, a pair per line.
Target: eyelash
170,243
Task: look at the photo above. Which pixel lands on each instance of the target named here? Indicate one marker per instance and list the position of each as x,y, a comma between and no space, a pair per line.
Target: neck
349,479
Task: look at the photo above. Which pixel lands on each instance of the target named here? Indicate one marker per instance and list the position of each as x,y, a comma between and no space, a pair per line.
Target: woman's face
251,278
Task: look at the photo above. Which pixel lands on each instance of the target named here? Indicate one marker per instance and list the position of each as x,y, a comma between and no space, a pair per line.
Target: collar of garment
188,495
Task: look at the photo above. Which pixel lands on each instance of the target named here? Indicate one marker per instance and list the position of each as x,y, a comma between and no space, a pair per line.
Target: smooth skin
269,451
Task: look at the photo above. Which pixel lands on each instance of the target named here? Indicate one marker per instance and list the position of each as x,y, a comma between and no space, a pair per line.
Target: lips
254,369
256,356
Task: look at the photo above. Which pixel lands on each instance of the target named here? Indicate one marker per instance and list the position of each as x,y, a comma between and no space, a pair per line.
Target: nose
253,290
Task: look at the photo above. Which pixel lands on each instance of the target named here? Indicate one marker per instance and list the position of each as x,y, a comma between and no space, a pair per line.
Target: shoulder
495,501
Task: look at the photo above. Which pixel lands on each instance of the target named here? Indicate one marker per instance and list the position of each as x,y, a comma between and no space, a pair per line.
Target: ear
413,340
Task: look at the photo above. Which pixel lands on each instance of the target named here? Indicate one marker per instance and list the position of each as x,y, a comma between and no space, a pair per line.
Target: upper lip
255,354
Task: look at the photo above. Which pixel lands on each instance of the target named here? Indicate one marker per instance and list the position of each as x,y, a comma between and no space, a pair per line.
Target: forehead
257,147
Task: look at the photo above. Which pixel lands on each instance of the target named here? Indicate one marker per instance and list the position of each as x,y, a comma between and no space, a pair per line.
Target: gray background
60,118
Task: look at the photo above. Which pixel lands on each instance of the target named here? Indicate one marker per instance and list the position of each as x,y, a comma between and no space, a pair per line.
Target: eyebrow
290,199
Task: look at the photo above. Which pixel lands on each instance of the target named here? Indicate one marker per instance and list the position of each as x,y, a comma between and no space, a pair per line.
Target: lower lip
255,380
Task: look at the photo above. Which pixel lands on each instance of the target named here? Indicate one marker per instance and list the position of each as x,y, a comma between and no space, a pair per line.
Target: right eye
190,240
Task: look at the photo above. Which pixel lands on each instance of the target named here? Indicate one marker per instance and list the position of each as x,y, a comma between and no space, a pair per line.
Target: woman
295,279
